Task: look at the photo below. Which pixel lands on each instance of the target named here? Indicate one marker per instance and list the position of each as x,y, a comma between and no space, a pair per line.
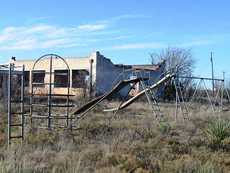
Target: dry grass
132,141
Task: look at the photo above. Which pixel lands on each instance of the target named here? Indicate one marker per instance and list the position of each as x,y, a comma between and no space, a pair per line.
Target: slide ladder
16,110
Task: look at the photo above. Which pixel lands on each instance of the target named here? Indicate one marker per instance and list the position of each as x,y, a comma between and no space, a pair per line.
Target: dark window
38,78
61,78
79,78
1,80
27,78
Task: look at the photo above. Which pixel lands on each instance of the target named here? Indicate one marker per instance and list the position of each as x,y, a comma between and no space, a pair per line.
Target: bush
216,132
164,127
208,168
187,164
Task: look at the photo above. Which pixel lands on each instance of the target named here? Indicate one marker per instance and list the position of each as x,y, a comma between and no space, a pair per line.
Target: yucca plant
217,131
208,168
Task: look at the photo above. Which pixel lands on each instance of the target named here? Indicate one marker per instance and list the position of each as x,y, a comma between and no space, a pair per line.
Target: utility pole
213,84
224,77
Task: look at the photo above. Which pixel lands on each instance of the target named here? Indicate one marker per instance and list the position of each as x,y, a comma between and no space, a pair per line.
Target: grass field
132,141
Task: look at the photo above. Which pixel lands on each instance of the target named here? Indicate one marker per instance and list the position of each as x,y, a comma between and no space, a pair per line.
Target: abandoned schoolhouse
94,73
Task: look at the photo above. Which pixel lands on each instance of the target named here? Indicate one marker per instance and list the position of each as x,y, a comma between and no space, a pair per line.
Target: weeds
130,143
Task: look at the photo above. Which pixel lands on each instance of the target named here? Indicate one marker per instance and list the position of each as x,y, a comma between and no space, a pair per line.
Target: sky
126,31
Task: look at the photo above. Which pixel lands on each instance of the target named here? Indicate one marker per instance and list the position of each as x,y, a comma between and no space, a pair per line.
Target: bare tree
179,59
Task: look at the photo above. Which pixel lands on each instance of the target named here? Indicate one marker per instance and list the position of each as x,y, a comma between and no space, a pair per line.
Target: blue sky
125,31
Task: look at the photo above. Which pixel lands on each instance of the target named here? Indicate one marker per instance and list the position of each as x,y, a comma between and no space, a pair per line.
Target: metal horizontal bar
44,72
12,72
59,105
201,78
61,117
17,113
53,127
61,74
59,85
18,66
38,71
17,72
16,101
37,83
16,137
39,117
27,105
16,125
54,95
39,105
51,117
52,105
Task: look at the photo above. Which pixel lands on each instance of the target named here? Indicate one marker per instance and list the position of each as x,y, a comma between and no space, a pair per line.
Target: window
27,78
79,78
18,78
61,78
1,80
38,78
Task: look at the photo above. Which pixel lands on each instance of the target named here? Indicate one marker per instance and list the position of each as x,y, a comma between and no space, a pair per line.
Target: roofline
66,58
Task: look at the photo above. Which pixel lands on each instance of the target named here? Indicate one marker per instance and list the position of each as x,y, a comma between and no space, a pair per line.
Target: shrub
217,132
179,148
164,127
208,168
187,164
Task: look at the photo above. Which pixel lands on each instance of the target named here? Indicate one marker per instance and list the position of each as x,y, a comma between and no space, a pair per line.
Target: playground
135,133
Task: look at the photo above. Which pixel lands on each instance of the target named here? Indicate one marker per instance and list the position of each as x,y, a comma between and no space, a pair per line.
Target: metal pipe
22,100
67,109
9,104
50,92
31,96
199,78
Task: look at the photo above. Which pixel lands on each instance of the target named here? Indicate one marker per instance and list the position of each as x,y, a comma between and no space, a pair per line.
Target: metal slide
131,100
90,105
